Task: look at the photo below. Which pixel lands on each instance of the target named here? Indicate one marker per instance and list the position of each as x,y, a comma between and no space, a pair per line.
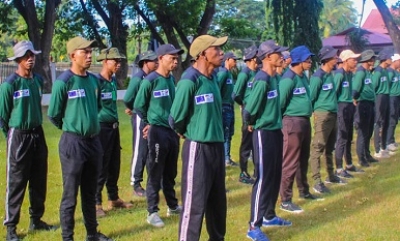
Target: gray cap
269,47
148,55
250,53
367,55
21,48
230,55
327,52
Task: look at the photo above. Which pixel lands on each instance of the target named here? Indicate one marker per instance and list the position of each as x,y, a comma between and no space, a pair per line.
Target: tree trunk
41,40
394,31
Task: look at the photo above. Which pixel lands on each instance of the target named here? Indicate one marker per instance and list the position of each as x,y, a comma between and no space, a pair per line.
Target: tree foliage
336,16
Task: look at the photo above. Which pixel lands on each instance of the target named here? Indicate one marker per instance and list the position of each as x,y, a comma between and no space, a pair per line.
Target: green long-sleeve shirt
242,88
133,88
323,92
395,84
197,109
226,84
263,106
381,81
294,95
109,111
343,84
20,105
363,88
154,99
75,103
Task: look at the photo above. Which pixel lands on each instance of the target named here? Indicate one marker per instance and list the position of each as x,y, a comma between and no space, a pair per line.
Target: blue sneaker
257,235
276,222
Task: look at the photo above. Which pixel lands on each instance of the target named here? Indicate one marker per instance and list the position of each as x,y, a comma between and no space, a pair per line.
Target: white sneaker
392,147
389,152
155,220
381,154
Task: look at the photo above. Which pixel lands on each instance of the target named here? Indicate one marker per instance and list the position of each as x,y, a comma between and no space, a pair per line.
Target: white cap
395,57
348,54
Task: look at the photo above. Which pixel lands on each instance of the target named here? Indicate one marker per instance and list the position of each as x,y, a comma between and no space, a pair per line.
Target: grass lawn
367,208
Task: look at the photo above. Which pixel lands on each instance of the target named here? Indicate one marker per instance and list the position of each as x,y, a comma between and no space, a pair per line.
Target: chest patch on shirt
383,79
345,84
299,91
367,81
249,84
21,93
204,99
229,81
79,93
106,95
160,93
395,79
327,86
272,94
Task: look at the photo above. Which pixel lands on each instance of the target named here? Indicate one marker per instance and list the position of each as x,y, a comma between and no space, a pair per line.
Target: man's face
231,63
113,64
275,59
214,55
168,62
82,58
351,63
307,63
27,61
151,64
371,63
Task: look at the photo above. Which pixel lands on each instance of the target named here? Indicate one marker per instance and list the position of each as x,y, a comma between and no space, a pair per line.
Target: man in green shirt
74,107
240,95
364,100
109,132
343,84
226,85
295,102
21,122
196,115
263,113
147,62
153,104
381,84
394,76
324,102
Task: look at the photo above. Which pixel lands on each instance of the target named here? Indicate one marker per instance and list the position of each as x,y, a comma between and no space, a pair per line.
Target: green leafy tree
336,16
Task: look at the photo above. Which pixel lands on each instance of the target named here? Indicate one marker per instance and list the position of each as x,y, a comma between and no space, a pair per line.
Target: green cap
203,42
110,53
148,55
79,43
367,55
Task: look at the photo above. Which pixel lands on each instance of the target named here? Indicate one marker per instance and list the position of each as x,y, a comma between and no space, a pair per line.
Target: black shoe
364,164
98,237
354,169
139,191
245,178
343,173
321,188
309,196
335,180
372,160
12,234
40,225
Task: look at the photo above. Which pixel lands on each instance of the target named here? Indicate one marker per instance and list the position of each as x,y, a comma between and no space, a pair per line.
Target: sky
369,5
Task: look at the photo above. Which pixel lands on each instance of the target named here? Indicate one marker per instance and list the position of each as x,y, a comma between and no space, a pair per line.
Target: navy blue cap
300,54
230,55
168,49
269,47
384,55
327,52
250,53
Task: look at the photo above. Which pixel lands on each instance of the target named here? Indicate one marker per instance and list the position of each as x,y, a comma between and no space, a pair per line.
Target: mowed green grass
368,208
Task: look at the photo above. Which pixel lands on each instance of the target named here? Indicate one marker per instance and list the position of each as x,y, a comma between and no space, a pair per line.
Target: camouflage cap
203,42
79,43
110,53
